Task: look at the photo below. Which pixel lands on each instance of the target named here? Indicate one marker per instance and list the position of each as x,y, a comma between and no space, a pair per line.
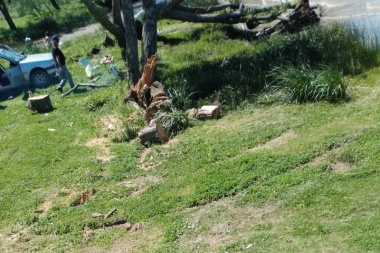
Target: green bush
302,83
174,121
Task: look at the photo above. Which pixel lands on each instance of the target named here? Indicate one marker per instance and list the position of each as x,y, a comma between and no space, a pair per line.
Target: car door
15,76
5,83
11,75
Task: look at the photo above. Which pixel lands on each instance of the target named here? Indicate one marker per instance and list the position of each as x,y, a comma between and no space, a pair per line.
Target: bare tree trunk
116,14
132,57
7,16
149,37
103,19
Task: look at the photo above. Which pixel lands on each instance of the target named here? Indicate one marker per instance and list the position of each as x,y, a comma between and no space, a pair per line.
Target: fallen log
155,107
153,133
41,103
93,85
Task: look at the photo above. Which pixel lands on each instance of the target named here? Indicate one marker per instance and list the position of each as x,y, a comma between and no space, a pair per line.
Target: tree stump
39,103
208,112
153,133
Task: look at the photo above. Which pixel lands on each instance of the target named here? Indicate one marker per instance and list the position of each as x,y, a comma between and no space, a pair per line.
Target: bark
40,103
7,16
103,19
55,4
130,36
153,133
92,85
226,18
149,37
116,14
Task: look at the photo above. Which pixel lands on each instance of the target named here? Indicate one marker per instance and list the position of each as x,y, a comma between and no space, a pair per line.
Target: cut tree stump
208,112
153,133
41,103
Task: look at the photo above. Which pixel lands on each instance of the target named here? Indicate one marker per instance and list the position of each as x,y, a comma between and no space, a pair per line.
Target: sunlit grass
266,172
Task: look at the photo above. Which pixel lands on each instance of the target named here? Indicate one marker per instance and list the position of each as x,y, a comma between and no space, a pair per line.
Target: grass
269,176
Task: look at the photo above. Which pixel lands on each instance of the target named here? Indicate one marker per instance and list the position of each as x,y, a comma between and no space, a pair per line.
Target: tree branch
103,19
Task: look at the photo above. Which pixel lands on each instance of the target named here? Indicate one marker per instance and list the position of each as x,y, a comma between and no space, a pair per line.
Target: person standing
47,41
60,60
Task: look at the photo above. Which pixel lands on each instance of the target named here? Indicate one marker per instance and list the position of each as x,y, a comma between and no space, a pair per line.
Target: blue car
18,69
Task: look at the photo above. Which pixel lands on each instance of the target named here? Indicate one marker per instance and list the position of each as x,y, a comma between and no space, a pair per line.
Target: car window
12,56
4,63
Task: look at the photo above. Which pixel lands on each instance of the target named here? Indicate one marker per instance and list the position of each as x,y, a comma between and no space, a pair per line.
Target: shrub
174,121
303,83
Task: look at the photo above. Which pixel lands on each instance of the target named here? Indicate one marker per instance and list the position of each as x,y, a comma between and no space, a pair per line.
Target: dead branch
93,85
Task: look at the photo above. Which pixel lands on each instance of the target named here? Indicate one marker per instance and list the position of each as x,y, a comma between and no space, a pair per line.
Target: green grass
269,176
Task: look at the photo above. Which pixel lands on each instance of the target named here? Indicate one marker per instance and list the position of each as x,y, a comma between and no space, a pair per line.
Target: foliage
174,121
34,19
181,96
302,83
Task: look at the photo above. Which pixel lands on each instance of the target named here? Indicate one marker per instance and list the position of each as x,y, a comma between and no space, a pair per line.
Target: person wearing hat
60,60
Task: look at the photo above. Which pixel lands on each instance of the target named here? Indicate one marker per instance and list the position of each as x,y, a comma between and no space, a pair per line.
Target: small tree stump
208,112
153,133
39,103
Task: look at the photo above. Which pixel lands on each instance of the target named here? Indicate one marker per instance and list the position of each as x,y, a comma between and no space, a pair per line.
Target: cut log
153,133
209,112
41,103
155,107
157,88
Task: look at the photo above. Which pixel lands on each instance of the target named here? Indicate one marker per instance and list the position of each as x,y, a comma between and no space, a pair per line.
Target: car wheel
39,79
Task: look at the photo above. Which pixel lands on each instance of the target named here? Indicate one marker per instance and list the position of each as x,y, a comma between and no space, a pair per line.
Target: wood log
209,112
92,85
155,107
156,88
41,103
153,133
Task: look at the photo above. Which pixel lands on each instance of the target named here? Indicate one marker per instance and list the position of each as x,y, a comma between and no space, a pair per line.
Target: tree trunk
40,103
132,57
116,14
103,19
7,16
55,4
149,37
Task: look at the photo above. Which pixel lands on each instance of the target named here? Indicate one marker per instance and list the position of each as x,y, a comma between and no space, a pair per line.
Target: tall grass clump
173,121
303,84
338,45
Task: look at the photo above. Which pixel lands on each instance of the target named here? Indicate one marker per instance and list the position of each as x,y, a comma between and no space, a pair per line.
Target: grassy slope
283,178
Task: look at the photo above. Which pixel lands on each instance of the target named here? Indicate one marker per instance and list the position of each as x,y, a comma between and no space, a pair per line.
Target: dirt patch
337,166
15,240
103,144
140,184
147,239
276,142
223,222
110,123
340,167
44,207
